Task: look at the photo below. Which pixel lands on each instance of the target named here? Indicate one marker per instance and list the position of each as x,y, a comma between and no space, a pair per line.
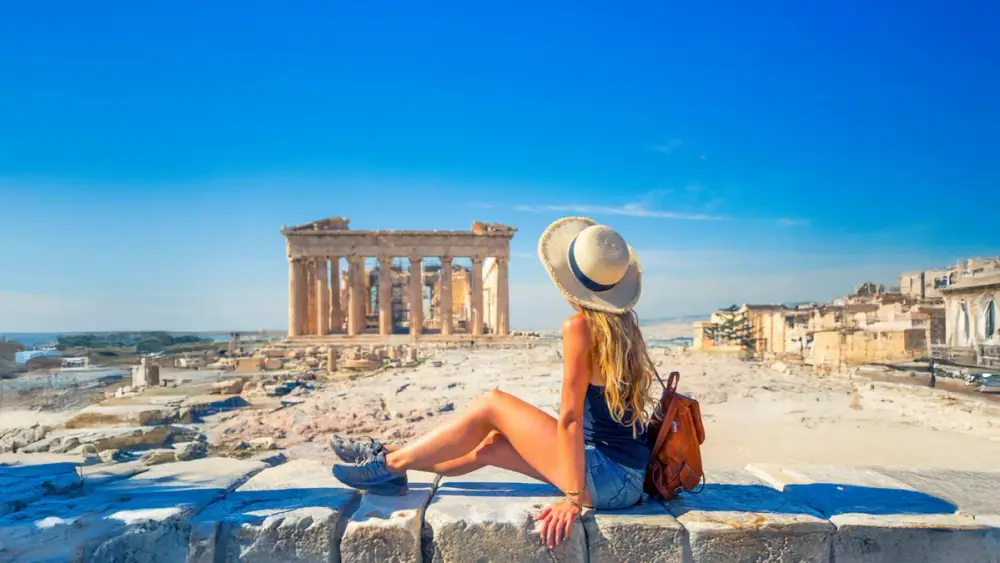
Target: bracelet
578,505
572,492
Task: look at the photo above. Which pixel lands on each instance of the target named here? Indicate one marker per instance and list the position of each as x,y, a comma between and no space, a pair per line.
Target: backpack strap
668,420
671,385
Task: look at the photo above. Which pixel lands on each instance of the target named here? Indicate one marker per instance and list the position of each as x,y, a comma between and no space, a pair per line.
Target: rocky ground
752,411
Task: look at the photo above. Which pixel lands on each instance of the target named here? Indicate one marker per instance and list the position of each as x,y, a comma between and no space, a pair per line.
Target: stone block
388,528
914,538
493,511
973,492
646,533
738,513
186,451
202,405
248,365
158,456
228,387
121,415
142,518
15,439
115,438
882,519
289,513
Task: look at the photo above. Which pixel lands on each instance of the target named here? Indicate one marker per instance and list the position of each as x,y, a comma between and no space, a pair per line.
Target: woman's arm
557,520
569,431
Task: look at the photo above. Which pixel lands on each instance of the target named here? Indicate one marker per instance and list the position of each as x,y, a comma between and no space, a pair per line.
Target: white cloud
629,209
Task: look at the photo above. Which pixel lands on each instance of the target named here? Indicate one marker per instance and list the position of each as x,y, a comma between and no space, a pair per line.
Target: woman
599,439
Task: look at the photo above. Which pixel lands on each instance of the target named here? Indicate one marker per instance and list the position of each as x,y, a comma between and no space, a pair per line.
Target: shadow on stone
832,499
497,489
827,499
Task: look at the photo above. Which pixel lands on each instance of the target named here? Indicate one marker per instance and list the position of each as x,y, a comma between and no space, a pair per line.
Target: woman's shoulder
576,325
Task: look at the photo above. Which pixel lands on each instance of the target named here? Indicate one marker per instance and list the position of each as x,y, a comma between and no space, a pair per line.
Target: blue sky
150,152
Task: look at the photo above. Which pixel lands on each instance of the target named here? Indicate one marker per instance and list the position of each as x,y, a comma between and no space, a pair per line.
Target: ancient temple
397,292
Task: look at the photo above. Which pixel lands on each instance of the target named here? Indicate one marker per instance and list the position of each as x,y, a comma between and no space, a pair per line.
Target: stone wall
226,510
832,348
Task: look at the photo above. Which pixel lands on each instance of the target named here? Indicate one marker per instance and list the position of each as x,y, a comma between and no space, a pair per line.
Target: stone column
294,287
302,295
322,298
385,295
345,295
476,304
416,295
361,289
336,318
310,267
446,300
503,298
354,299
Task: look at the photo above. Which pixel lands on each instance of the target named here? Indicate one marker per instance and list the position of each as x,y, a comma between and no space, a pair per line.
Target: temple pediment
480,227
328,224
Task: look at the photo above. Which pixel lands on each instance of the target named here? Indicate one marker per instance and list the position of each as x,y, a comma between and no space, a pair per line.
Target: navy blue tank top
610,437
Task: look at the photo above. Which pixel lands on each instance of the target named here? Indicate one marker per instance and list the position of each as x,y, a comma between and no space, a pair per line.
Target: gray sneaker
357,450
373,476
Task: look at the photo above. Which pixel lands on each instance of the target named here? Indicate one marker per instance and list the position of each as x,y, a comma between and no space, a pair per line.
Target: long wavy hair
618,349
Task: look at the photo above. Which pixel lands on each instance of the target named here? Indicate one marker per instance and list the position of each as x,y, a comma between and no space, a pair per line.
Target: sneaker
373,476
355,450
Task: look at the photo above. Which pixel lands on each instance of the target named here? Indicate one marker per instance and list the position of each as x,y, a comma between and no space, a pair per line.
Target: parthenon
441,297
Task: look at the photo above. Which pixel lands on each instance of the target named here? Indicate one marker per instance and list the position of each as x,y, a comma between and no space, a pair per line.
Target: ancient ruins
441,298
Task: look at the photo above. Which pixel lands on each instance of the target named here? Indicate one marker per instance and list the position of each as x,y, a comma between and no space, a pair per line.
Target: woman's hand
557,521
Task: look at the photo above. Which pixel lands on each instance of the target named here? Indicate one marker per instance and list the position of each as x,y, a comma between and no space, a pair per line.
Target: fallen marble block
492,513
880,519
737,513
292,513
389,528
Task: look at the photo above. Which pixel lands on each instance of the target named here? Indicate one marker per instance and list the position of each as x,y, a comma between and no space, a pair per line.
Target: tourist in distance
596,451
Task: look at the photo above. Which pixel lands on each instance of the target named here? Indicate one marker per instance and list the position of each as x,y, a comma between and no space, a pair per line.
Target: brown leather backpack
677,434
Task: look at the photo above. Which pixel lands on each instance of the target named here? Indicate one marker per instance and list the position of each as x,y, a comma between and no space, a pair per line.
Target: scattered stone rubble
138,422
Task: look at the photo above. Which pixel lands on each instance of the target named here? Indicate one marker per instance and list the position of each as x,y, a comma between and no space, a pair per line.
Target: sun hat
591,265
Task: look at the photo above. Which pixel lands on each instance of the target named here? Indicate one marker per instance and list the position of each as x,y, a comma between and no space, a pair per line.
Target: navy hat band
580,276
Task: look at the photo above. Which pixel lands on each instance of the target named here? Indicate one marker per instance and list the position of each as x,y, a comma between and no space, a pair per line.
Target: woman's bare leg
530,431
495,450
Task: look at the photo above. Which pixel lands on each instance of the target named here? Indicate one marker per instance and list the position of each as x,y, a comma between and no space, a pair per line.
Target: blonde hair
618,350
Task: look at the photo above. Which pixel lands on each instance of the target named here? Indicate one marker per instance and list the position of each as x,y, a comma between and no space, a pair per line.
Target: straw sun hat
591,264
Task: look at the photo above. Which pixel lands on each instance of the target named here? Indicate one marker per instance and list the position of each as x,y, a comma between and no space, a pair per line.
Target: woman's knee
488,401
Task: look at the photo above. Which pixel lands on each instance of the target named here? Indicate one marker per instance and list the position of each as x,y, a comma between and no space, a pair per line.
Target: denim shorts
611,484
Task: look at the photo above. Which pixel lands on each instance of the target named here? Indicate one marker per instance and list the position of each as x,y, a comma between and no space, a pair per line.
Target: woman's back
612,438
